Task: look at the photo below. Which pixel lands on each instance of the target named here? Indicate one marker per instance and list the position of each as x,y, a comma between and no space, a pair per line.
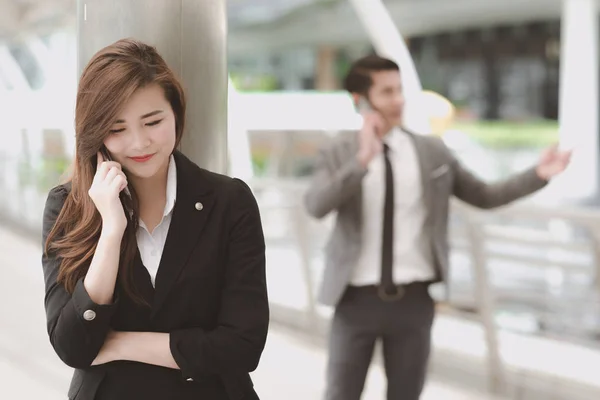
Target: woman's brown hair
109,80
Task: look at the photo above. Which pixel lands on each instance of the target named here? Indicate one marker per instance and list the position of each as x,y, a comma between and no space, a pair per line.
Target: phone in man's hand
363,105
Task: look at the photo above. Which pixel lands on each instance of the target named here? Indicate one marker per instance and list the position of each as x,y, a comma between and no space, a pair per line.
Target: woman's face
143,136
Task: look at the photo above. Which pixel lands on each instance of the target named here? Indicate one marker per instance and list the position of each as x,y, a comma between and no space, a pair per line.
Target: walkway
292,367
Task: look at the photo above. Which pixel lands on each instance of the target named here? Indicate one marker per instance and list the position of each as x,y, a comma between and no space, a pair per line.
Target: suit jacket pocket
85,383
440,171
441,179
76,383
237,386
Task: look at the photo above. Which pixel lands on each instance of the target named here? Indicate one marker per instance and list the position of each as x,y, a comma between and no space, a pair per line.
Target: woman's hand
145,347
108,183
109,351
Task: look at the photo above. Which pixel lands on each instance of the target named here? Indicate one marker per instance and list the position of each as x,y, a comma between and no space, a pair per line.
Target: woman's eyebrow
150,114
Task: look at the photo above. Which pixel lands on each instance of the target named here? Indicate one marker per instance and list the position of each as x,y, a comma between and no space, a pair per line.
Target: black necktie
387,248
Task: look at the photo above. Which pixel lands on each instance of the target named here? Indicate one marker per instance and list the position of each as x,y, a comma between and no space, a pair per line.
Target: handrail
480,228
581,215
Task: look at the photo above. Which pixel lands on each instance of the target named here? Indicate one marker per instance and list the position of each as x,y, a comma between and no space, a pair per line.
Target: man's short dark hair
359,79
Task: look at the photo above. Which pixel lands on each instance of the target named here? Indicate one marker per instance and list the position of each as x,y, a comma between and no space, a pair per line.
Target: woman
181,310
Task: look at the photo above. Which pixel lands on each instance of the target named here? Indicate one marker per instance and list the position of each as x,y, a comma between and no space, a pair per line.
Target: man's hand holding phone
369,137
108,183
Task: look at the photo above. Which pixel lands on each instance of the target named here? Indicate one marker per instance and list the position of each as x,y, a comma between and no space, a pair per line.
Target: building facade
490,64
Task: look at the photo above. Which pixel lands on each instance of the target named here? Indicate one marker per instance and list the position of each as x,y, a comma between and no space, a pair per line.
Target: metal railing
543,236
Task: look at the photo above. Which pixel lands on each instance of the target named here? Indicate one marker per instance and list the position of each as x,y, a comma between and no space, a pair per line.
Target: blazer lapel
358,199
193,205
426,166
141,279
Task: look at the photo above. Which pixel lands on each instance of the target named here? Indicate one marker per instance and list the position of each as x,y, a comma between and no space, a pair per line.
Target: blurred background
497,80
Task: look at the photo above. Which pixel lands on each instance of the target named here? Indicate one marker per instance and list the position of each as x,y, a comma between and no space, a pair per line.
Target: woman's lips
142,159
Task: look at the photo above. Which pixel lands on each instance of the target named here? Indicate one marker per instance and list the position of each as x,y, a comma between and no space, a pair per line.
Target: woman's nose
141,139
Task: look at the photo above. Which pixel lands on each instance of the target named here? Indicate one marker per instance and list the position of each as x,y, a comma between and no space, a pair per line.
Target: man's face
385,96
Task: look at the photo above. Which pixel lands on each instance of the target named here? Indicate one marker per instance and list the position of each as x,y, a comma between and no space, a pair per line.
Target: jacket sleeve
333,183
478,193
76,325
236,344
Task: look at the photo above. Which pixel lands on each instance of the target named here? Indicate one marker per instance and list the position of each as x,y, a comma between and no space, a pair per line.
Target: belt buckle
385,296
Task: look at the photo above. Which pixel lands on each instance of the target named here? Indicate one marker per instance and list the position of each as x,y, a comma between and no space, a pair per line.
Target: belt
398,292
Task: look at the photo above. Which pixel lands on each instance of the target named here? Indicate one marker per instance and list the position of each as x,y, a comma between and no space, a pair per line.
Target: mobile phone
105,154
107,157
363,105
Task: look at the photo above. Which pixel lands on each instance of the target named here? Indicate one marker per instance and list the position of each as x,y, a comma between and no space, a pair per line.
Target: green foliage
50,172
504,134
254,83
259,163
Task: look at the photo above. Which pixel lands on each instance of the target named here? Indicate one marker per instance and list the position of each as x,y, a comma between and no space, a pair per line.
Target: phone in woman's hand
105,154
107,157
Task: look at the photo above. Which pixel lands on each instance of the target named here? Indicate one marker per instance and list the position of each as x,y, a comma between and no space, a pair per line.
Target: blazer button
199,206
89,315
190,379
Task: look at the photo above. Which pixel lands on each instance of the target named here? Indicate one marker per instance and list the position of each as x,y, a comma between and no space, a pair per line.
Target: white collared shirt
151,245
412,254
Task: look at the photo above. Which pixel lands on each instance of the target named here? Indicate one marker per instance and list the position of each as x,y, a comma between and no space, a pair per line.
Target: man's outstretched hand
552,162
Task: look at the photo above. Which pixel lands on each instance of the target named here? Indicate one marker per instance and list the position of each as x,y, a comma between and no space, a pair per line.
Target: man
391,190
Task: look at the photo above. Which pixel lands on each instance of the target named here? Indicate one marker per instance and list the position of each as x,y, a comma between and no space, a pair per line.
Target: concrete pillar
579,107
325,68
240,157
191,36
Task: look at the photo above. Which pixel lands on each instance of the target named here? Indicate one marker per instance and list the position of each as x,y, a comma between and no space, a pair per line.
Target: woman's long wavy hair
109,80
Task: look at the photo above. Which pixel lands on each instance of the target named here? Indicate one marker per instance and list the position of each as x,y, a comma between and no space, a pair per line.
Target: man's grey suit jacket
336,186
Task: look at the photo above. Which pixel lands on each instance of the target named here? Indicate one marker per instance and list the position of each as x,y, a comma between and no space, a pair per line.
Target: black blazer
210,296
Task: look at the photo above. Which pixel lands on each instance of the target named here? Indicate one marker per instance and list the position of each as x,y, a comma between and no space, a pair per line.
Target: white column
579,105
388,42
240,154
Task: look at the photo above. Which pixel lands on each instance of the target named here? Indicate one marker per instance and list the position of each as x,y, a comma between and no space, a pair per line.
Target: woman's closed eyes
152,123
